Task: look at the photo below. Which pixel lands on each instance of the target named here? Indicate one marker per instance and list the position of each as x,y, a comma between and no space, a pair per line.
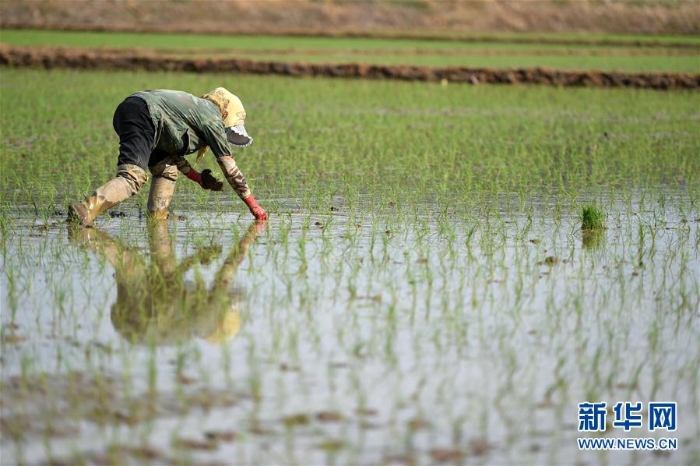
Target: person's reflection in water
155,305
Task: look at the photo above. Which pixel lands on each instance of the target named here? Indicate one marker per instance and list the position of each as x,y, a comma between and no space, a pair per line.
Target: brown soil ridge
466,52
94,59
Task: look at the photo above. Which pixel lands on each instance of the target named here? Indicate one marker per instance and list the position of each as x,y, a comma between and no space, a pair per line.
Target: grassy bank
504,52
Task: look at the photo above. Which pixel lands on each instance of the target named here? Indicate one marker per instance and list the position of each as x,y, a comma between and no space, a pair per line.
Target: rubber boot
129,180
162,188
161,246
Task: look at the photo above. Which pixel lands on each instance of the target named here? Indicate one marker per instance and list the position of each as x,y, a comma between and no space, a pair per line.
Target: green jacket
185,123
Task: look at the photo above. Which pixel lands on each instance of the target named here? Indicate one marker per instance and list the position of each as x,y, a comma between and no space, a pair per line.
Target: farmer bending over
156,130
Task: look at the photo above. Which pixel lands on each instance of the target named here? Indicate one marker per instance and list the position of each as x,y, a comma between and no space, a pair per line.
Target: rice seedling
592,218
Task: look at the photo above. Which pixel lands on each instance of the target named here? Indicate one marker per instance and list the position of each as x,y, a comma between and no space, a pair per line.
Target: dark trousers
133,124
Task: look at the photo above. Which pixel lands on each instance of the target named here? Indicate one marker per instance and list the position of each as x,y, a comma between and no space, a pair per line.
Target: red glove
255,209
195,176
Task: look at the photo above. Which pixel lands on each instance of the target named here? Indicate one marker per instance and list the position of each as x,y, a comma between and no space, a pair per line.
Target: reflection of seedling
592,238
208,254
592,218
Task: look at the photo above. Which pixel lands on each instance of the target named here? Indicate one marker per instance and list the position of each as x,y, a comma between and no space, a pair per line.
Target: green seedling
592,218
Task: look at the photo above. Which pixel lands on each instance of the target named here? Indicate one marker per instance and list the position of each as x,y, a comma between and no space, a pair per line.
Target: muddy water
349,336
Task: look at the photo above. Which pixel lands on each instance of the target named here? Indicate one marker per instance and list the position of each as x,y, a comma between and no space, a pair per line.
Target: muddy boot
128,182
162,188
161,246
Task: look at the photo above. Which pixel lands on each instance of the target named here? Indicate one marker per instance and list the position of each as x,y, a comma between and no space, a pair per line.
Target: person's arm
205,179
235,178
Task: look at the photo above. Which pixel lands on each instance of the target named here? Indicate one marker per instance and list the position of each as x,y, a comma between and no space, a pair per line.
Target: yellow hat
233,114
227,327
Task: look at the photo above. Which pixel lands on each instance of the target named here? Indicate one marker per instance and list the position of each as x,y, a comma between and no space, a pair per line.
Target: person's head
227,326
233,114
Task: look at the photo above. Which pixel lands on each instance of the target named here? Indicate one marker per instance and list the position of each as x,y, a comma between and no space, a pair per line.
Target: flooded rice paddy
350,335
422,293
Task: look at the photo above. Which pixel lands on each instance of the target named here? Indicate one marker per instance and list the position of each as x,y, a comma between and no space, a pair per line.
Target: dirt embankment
257,54
54,57
359,17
